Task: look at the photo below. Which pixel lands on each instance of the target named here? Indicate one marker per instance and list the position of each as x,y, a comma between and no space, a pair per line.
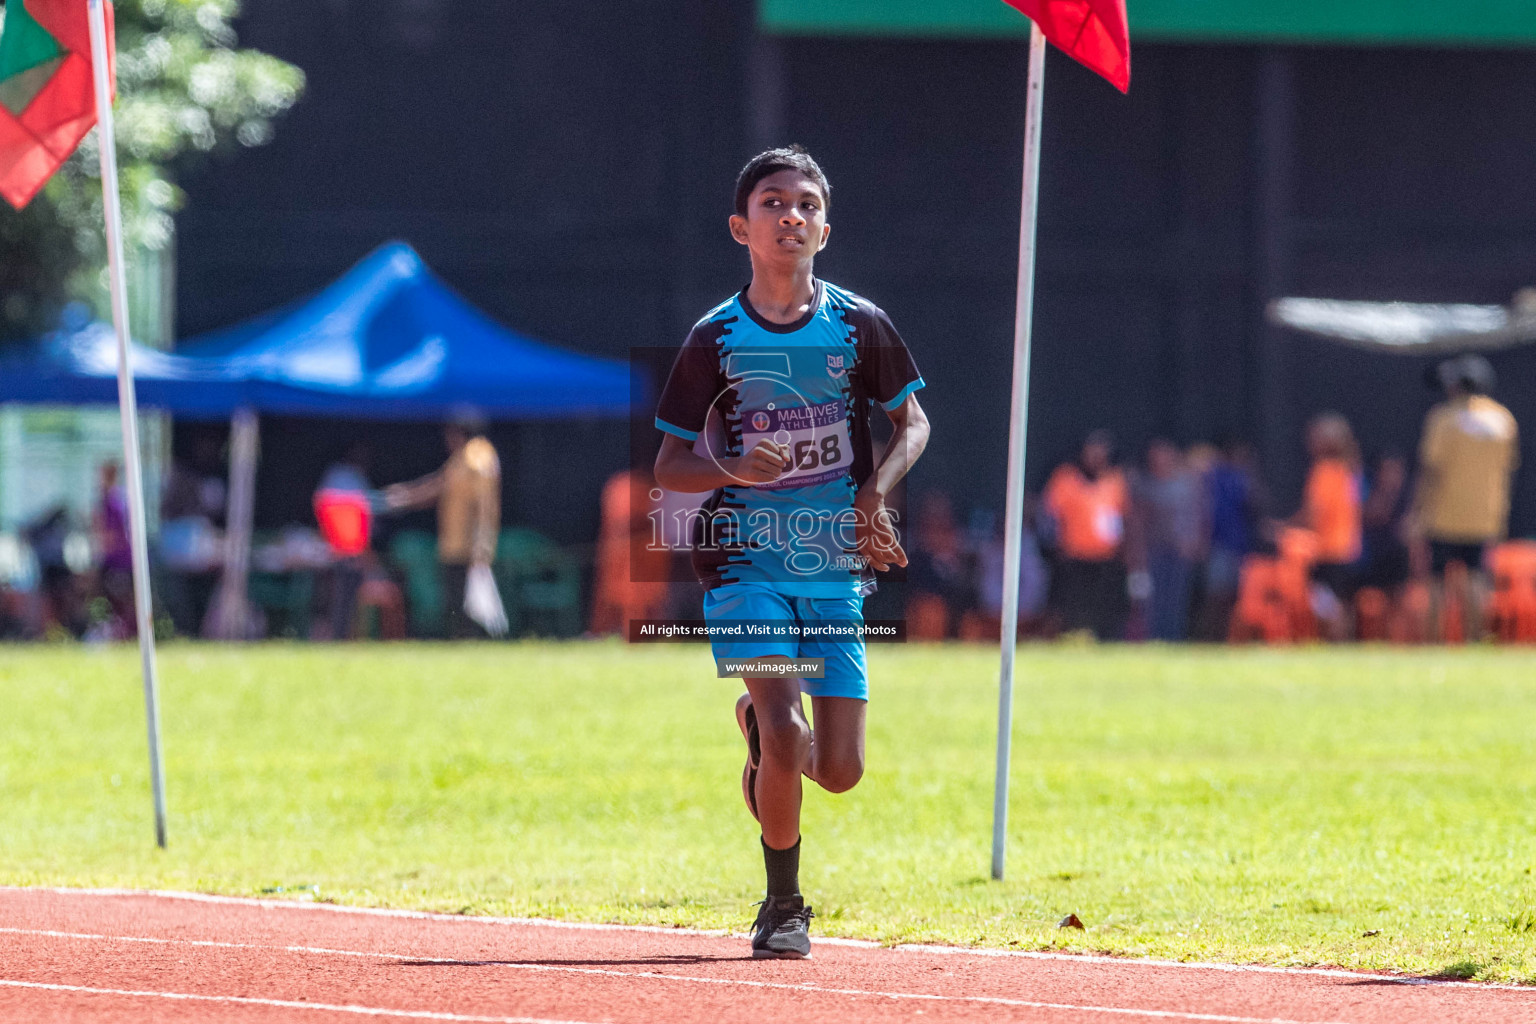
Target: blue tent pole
127,406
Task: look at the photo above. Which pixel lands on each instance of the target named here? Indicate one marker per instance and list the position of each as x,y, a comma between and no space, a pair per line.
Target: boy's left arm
874,529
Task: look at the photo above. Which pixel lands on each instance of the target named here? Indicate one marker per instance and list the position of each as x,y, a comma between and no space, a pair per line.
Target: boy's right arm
679,468
683,412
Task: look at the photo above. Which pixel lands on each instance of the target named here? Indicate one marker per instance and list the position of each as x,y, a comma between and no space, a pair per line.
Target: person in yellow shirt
467,492
1469,452
1467,456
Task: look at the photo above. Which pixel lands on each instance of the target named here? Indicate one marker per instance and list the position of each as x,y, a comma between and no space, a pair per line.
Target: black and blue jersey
811,385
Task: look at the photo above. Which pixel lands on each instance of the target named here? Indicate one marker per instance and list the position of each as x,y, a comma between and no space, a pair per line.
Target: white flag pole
1018,425
126,401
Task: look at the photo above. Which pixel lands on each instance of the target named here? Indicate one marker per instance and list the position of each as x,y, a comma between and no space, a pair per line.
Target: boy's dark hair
785,158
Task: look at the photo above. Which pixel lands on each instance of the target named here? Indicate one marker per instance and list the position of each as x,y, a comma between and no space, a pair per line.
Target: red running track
83,956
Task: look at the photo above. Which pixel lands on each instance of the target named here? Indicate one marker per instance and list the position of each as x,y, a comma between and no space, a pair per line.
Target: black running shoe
746,719
782,930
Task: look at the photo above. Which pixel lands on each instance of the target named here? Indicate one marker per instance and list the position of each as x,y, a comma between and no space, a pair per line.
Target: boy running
768,405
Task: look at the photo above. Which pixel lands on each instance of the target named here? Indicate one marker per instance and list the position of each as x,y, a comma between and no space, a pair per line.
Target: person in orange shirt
1331,510
1086,502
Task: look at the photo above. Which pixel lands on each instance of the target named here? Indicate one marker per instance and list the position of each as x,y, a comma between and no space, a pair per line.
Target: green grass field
1365,808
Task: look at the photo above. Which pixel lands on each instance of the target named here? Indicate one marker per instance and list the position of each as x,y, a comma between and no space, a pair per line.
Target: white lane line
541,922
264,903
216,944
293,1004
691,979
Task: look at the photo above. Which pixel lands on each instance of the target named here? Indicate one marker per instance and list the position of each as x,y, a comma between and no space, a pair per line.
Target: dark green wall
1471,22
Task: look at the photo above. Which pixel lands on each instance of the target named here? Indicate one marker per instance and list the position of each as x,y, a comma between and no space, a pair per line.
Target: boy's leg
837,744
782,928
746,721
731,606
840,697
785,739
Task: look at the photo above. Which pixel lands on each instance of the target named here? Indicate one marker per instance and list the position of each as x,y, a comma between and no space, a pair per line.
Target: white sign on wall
52,455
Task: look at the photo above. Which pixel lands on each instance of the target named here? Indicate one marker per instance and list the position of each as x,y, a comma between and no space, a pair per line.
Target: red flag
1092,32
46,99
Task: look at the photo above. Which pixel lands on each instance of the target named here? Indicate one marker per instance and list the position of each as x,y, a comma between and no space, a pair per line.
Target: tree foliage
185,89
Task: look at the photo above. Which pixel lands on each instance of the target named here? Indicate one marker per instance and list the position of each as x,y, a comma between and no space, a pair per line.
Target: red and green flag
46,102
1095,33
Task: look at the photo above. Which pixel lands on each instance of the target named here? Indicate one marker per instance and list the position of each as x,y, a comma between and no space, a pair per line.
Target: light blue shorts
847,675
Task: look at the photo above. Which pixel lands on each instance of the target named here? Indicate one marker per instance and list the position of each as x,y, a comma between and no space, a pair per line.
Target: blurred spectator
1384,566
1201,459
940,572
18,586
1331,510
1168,537
190,544
1384,560
989,545
633,564
109,527
1235,505
1468,453
350,474
467,491
343,508
195,487
63,598
1086,505
13,614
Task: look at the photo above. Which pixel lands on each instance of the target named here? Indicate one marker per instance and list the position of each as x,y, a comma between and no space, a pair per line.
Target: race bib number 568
817,436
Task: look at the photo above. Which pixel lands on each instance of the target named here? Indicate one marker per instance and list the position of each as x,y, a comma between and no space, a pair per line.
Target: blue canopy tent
389,340
77,367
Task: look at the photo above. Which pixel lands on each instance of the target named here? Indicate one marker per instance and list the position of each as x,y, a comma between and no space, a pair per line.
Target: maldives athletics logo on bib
816,435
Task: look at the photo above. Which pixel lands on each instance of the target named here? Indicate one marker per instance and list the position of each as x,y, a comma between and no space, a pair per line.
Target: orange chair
1373,614
1512,607
1298,552
1400,618
1274,602
1260,612
1411,623
1453,612
630,573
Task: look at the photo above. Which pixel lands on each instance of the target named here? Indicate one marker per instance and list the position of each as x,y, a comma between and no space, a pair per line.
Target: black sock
783,870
